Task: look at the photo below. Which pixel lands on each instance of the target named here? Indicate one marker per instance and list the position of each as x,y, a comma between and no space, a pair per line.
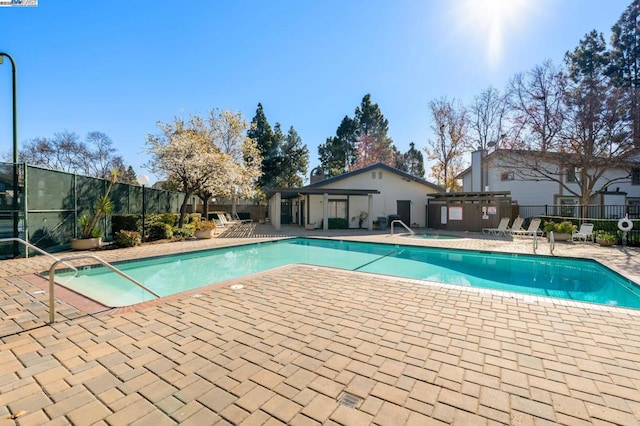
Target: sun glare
489,23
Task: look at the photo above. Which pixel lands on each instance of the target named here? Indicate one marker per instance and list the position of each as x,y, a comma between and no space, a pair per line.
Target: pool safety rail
39,250
52,271
403,224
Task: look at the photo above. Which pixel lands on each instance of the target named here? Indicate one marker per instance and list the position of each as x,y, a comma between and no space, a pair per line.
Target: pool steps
52,271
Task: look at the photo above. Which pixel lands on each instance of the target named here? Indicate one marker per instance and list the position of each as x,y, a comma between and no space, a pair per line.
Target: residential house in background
372,192
533,179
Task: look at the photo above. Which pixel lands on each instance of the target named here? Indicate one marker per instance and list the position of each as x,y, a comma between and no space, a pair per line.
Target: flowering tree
228,134
208,156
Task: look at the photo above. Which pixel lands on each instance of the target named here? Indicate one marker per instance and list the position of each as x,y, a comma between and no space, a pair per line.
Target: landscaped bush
564,227
187,232
125,222
191,218
160,231
338,223
127,238
170,218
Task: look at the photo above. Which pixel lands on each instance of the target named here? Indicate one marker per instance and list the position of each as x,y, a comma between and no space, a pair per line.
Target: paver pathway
291,344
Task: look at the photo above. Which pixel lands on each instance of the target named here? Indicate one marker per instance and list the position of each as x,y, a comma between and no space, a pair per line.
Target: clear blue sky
119,67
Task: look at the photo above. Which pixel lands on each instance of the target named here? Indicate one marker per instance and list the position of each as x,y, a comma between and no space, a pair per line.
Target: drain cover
349,400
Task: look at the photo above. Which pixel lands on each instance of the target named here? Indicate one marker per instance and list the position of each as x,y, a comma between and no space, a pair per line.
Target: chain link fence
49,203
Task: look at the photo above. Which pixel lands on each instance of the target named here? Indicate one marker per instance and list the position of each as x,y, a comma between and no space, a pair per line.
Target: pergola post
325,211
369,208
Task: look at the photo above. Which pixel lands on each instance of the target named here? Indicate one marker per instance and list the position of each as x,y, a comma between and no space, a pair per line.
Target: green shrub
564,227
160,231
125,222
186,232
338,223
191,218
170,218
127,238
150,218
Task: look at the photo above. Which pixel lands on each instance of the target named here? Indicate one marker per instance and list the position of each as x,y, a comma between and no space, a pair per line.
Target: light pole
143,180
14,103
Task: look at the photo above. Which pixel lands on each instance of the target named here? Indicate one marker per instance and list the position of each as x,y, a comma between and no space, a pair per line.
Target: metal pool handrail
52,271
403,224
39,250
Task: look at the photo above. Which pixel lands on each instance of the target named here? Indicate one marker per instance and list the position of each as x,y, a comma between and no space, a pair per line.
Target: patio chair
584,233
236,218
517,225
224,221
502,228
533,229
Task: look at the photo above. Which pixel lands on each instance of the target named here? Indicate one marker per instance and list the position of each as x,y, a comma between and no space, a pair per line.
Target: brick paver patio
304,345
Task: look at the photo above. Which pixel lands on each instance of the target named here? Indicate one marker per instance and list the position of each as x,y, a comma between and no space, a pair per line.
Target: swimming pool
573,279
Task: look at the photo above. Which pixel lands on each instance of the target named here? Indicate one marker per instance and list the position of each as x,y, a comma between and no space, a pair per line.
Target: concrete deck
305,345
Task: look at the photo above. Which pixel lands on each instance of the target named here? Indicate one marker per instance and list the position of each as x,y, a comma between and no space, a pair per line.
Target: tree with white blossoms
205,156
243,166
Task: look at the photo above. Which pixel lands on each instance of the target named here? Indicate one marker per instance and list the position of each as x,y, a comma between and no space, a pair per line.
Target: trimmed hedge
160,231
125,222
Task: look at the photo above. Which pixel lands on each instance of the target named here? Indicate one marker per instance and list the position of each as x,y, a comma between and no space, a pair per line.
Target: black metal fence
49,203
604,218
581,211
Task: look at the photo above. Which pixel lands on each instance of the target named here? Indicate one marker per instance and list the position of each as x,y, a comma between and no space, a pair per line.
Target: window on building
507,176
635,177
379,175
337,208
373,175
571,174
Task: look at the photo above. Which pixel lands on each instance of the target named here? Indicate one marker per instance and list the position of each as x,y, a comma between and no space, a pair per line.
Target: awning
288,193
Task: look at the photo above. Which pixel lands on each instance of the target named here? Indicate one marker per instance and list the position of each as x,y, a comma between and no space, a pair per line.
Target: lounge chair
584,233
502,228
533,229
517,225
236,218
224,221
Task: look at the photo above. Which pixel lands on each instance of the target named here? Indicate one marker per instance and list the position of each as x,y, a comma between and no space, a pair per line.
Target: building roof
366,169
295,192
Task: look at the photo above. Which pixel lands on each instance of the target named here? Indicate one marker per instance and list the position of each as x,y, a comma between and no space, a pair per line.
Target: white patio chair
502,228
517,226
533,229
584,233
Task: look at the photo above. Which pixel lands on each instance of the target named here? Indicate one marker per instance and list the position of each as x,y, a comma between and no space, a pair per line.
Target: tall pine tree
373,144
412,162
268,146
625,62
337,154
359,141
295,160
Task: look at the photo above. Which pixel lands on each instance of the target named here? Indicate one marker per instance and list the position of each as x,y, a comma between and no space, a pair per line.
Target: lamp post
14,103
143,180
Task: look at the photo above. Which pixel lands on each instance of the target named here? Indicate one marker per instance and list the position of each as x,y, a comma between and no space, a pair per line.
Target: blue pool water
573,279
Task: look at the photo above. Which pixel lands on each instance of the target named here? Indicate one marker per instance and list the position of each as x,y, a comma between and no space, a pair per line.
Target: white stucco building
498,171
373,191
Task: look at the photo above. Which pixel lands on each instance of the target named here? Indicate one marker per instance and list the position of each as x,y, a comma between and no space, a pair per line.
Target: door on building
285,212
403,209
